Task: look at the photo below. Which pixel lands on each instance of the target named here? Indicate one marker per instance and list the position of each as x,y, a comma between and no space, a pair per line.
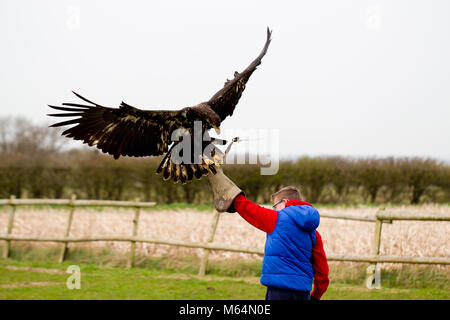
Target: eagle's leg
217,156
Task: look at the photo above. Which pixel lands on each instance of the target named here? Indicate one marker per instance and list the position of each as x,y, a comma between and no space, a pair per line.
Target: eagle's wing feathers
123,131
226,99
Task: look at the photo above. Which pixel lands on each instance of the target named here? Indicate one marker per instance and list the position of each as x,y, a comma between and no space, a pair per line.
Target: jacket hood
304,214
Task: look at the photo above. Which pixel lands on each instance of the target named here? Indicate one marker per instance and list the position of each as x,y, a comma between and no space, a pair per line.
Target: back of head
288,192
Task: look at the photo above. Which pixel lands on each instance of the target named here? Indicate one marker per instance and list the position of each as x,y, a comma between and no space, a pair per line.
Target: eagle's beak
217,129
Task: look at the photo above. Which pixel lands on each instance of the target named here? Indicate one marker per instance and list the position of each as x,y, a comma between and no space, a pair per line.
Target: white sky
359,78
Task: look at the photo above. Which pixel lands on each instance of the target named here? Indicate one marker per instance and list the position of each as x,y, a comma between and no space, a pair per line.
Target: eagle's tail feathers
176,172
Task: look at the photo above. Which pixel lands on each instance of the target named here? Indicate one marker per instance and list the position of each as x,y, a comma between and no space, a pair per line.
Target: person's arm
262,218
320,269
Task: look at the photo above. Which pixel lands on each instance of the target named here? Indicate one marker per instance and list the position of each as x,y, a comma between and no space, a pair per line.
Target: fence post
212,232
373,280
7,245
131,257
64,248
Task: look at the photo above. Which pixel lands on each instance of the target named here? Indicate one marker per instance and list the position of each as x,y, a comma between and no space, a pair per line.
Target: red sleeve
262,218
320,268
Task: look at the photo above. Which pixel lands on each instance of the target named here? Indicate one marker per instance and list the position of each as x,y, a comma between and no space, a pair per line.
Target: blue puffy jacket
288,249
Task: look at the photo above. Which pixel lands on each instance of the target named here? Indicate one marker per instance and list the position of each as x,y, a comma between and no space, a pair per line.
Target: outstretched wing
123,131
225,100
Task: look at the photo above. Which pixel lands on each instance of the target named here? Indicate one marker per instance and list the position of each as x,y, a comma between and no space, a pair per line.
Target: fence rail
75,203
381,216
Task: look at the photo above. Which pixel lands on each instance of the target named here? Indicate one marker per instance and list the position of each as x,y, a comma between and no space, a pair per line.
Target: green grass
120,283
139,283
32,255
104,276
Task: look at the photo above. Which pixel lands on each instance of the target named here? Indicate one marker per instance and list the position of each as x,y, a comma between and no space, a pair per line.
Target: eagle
129,131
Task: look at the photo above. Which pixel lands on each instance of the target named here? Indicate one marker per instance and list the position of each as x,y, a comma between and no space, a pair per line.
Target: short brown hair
288,192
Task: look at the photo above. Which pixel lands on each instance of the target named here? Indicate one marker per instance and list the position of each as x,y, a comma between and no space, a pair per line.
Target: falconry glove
224,191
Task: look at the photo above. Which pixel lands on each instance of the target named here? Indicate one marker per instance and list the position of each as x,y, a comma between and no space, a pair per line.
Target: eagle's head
214,120
209,118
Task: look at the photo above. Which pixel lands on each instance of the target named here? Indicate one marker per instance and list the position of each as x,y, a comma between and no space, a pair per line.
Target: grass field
168,279
167,272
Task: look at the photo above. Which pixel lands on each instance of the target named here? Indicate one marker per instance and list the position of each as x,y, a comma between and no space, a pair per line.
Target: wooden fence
382,216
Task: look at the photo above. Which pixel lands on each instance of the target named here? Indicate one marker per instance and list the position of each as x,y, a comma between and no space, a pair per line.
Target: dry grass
407,238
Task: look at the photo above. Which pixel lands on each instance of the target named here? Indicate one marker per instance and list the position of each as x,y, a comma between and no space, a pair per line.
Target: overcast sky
358,78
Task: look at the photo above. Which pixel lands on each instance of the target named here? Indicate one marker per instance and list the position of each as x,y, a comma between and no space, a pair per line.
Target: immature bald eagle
129,131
